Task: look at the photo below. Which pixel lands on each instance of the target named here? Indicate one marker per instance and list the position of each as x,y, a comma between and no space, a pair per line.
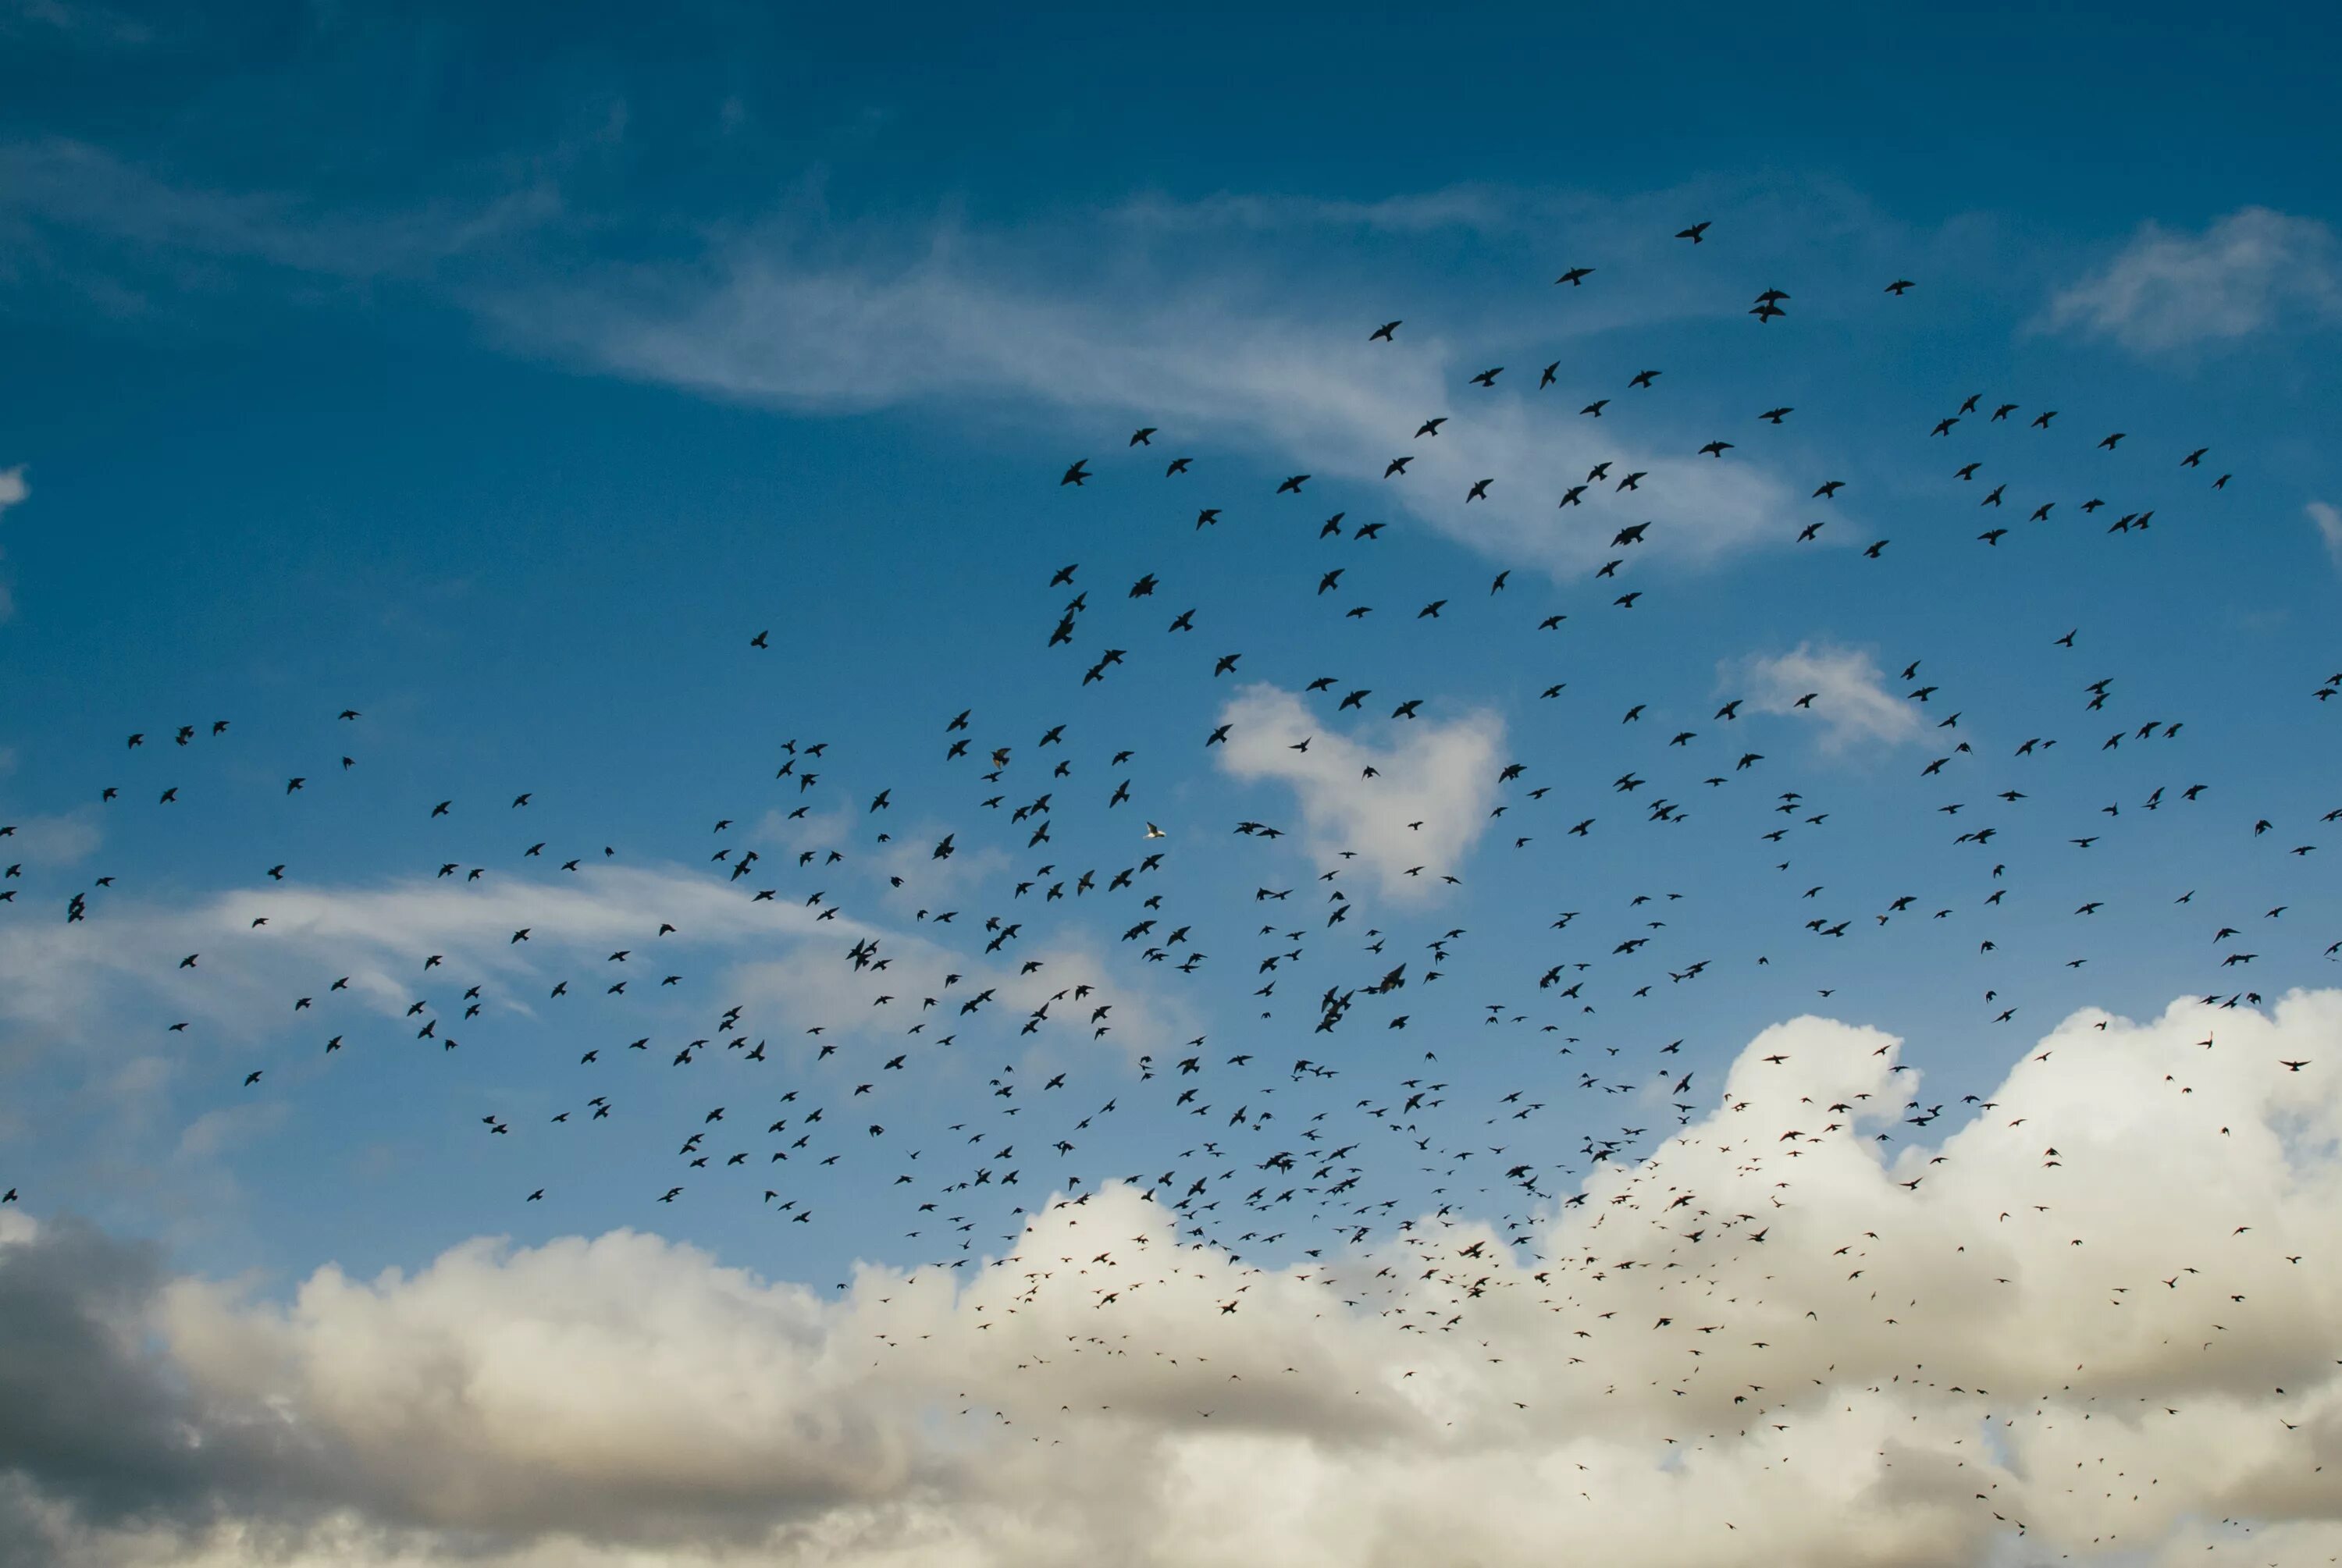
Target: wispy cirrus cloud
59,839
13,492
59,197
1099,314
2251,271
2328,519
760,323
75,20
259,949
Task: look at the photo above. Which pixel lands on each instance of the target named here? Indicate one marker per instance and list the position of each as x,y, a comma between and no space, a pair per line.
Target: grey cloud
93,1415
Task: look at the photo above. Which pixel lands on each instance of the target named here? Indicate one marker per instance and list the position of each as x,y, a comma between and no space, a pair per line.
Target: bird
983,897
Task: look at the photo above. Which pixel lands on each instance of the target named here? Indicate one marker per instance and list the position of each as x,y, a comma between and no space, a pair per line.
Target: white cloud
72,186
1848,692
2244,274
1100,315
59,840
2329,528
64,982
1478,208
926,882
216,1131
1805,1361
1440,774
13,492
855,325
816,985
60,975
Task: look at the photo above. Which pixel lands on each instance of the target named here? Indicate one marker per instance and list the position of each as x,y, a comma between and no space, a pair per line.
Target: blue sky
499,378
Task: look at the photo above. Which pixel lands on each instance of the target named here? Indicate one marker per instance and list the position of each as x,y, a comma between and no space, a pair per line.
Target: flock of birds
1297,1123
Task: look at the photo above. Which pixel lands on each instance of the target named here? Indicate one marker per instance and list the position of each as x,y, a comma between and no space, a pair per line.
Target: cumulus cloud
91,1427
2100,1314
2329,520
1848,692
2242,274
1441,775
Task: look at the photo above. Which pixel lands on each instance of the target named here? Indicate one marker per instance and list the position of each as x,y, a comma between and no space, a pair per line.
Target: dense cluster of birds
1297,1151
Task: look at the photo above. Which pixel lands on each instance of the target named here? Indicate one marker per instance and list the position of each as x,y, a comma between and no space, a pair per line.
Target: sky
648,435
